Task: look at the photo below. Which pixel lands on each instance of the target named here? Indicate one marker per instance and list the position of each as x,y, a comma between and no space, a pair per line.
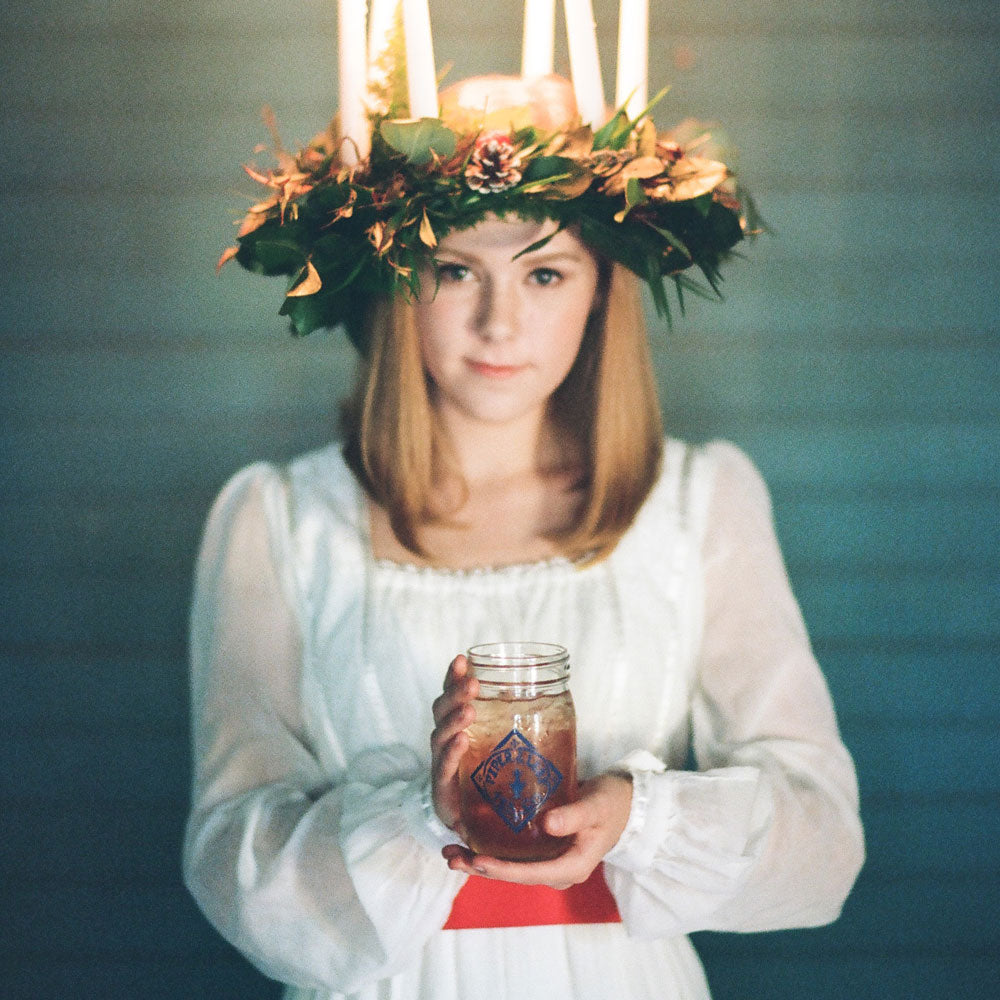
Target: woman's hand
453,712
595,821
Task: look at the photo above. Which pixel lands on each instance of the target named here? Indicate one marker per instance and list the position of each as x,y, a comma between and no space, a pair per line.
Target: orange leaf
251,222
310,284
427,236
227,255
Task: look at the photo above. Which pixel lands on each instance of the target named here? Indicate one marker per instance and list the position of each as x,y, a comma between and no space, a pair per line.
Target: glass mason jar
521,759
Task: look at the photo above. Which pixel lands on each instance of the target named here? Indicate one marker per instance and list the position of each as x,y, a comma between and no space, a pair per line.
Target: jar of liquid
521,759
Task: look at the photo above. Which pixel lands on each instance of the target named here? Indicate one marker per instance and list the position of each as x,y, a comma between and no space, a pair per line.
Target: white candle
420,76
584,62
632,84
380,23
539,37
353,52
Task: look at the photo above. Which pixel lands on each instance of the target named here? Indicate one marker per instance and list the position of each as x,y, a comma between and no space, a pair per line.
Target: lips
494,371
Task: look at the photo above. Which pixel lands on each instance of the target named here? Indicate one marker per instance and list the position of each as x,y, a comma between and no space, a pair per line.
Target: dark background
856,360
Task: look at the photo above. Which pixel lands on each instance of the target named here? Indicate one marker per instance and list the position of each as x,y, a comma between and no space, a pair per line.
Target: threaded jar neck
519,669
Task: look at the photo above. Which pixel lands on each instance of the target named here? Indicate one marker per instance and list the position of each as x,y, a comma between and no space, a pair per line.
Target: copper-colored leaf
427,236
310,284
693,176
642,167
227,255
252,221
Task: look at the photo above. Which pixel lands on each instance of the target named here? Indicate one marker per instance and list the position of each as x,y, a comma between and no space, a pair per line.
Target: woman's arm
766,835
319,882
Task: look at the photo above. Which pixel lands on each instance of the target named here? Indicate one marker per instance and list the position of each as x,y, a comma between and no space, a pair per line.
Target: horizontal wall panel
786,17
224,976
58,844
905,838
137,689
919,534
79,459
774,150
112,922
187,68
134,765
950,530
912,684
859,977
95,765
48,687
164,921
98,845
82,608
875,382
787,296
901,606
917,916
912,759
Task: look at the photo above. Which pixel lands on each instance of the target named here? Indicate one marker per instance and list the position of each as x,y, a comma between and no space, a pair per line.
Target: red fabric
485,902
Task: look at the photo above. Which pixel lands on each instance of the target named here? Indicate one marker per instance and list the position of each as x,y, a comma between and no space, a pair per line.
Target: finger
461,692
570,868
564,821
457,669
448,756
460,717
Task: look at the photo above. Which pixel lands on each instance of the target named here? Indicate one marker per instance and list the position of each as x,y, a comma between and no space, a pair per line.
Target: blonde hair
607,406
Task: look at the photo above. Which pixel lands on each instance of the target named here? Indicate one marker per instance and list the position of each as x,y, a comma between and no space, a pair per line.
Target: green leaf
417,139
634,193
548,167
271,256
652,104
674,241
538,244
614,133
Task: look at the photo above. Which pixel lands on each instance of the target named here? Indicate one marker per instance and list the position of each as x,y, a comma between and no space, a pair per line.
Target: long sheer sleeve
766,834
320,883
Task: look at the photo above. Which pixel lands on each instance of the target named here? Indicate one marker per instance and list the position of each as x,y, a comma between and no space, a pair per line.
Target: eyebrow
538,257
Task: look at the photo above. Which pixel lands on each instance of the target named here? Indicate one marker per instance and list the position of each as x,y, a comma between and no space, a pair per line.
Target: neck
486,452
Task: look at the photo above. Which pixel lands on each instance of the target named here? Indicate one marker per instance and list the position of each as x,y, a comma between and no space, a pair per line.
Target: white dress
312,845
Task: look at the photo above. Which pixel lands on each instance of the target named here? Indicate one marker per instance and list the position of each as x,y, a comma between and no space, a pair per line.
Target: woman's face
503,331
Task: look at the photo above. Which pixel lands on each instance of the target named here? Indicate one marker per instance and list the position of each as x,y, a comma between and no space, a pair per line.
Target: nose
497,318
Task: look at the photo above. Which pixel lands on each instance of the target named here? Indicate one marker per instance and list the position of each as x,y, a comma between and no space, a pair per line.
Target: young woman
503,475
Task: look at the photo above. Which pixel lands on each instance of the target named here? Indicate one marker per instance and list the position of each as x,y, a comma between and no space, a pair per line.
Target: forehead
506,237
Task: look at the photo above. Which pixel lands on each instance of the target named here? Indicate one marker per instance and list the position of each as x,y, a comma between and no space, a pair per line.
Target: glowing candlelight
421,78
353,53
632,84
584,62
539,37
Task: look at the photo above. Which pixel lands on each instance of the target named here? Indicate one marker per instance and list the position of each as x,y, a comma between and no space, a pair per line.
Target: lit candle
632,83
584,62
539,37
353,52
420,76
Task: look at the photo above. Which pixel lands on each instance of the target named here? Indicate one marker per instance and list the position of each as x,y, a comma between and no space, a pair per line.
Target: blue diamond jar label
516,780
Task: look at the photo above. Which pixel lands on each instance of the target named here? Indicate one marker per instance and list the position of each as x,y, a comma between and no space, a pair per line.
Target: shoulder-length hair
607,406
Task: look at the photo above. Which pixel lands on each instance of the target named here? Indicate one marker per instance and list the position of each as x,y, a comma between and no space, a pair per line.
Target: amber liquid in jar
521,759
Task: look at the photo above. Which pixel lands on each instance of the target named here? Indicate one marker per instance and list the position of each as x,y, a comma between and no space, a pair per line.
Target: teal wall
856,360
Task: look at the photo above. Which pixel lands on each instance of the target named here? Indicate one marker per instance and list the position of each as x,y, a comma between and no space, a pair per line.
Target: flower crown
347,228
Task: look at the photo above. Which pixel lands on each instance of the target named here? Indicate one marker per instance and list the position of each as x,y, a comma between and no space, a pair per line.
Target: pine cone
495,164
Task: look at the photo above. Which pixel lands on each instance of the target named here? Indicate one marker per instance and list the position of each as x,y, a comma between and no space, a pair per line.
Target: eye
451,273
545,276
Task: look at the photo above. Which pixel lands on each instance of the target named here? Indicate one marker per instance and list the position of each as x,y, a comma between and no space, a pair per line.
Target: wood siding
856,360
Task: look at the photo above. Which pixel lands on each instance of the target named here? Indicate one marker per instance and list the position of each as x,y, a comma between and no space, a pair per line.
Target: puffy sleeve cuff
689,842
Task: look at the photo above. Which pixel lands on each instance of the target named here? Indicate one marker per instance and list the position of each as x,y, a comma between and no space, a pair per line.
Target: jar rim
499,655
